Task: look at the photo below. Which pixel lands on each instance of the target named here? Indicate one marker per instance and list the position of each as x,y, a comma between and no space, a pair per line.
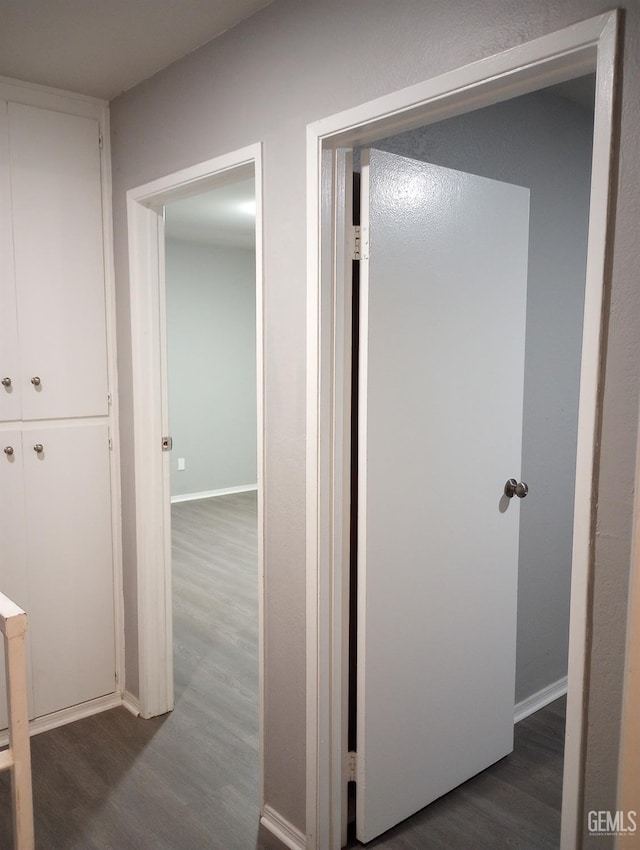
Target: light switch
182,465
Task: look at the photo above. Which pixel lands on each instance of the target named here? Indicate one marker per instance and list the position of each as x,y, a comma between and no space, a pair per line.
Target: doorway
217,179
210,284
494,276
527,68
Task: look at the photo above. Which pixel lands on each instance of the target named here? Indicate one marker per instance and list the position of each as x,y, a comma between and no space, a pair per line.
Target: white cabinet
10,387
56,495
69,560
14,581
57,296
58,566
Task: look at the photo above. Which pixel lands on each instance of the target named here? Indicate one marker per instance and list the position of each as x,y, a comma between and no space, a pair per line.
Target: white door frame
571,52
145,206
630,738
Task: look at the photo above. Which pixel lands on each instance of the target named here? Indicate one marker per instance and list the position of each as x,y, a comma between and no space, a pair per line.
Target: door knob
8,450
38,448
515,488
6,382
35,381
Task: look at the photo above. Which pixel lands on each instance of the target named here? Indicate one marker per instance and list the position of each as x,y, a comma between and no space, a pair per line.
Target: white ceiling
104,47
221,216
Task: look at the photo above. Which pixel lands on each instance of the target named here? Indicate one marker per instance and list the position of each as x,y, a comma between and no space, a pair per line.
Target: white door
59,262
14,581
443,303
69,563
9,364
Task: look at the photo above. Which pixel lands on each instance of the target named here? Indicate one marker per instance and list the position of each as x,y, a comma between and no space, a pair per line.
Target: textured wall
211,340
544,143
293,63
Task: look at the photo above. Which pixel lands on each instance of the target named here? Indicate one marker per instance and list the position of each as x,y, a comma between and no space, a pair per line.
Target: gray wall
543,142
293,63
211,336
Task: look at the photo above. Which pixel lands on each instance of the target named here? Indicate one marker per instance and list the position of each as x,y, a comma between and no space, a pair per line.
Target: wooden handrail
17,759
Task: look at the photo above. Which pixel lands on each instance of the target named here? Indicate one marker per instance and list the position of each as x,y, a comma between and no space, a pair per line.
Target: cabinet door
69,556
13,562
59,262
9,367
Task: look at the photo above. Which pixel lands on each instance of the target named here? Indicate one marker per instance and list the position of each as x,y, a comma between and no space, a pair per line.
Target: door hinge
350,767
167,444
110,443
360,242
109,399
100,141
356,235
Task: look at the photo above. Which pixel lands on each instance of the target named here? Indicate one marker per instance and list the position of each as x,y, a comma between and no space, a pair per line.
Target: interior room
541,141
210,279
211,341
112,114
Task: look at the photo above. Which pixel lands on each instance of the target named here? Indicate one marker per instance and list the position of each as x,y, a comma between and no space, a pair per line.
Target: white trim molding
212,494
574,51
282,829
35,94
145,206
131,703
629,756
68,715
540,699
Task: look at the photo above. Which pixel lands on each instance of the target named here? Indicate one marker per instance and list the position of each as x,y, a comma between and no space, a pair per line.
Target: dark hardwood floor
189,780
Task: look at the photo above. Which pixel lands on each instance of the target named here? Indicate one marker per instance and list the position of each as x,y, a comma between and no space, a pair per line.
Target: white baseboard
209,494
282,829
541,698
68,715
131,703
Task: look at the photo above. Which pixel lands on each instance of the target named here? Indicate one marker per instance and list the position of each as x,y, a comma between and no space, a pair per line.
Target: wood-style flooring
189,780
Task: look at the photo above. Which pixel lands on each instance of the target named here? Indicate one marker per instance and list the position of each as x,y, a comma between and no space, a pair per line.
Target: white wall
543,142
211,337
265,80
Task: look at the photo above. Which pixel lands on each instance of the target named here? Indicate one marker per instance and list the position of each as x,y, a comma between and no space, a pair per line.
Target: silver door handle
35,381
515,488
38,448
6,382
8,450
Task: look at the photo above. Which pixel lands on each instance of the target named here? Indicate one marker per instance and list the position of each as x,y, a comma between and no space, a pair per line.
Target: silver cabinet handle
515,488
35,381
38,448
6,382
8,450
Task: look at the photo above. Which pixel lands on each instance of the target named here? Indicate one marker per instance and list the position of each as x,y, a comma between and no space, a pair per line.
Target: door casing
574,51
145,207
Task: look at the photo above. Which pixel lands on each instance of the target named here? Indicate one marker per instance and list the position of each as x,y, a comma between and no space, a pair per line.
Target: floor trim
541,698
208,494
68,715
282,829
131,703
